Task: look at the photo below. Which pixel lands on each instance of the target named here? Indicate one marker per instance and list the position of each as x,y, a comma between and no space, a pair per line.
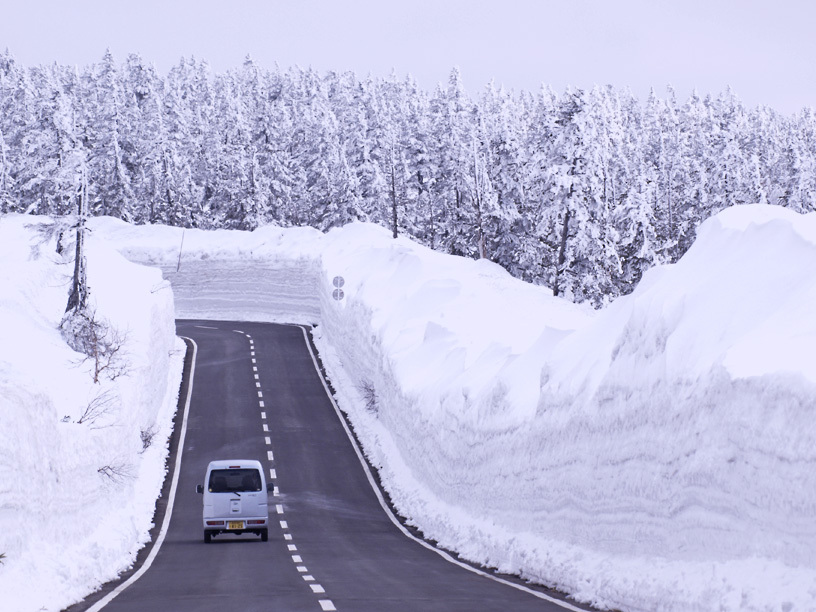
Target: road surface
257,394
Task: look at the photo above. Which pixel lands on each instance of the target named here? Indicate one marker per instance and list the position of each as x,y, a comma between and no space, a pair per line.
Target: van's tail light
215,523
256,522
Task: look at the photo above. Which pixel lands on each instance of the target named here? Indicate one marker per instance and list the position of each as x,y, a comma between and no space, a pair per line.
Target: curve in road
258,394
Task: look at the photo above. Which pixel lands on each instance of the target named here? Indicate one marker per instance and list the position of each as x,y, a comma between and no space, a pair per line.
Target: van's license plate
235,524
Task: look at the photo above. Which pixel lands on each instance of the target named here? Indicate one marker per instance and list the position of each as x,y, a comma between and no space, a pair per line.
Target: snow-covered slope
668,461
657,455
77,487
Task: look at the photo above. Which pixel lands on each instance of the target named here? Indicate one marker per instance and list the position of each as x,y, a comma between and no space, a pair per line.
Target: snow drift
656,455
78,482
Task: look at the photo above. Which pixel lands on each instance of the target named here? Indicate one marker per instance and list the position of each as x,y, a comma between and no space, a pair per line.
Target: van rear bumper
250,524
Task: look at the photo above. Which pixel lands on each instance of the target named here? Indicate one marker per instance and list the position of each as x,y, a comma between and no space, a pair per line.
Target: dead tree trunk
77,299
562,254
477,200
393,197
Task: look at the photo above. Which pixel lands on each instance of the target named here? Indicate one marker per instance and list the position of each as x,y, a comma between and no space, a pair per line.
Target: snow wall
77,488
656,455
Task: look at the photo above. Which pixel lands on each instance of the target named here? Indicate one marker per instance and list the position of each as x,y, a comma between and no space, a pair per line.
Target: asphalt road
331,544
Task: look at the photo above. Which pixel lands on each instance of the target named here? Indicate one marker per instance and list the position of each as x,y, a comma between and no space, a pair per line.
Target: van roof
240,463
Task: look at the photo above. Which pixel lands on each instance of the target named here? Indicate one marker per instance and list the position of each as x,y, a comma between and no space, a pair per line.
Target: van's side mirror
199,489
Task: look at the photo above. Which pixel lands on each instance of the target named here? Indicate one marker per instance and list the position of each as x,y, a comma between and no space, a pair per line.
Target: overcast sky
764,49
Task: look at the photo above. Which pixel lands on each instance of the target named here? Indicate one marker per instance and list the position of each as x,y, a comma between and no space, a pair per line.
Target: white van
235,499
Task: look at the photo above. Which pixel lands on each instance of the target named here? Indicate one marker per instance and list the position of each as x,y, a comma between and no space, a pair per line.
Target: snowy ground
656,455
66,526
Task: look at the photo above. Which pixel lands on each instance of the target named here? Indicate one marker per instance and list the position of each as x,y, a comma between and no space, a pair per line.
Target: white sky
764,49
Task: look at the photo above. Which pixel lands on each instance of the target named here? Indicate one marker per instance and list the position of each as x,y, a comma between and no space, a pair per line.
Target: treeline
582,191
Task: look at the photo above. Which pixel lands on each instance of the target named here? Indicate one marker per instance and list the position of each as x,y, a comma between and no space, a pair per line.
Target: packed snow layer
77,487
656,455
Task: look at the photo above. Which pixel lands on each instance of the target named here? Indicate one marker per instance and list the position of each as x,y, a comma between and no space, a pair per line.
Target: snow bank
268,275
77,485
657,455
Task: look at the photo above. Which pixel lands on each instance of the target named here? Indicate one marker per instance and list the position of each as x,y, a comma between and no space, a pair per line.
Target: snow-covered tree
582,191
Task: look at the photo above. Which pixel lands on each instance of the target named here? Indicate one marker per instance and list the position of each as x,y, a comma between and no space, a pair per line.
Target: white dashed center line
325,604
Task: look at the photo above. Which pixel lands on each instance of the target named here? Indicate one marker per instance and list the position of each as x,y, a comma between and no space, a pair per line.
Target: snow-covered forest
581,190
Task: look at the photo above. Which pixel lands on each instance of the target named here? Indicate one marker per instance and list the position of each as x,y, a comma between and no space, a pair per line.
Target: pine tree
110,190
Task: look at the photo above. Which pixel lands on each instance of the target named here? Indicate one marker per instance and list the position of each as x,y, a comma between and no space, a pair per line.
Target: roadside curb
164,497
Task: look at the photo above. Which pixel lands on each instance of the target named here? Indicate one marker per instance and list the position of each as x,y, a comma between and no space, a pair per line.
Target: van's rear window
227,481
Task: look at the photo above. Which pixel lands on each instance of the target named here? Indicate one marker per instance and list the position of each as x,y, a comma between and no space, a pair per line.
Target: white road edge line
171,498
396,521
